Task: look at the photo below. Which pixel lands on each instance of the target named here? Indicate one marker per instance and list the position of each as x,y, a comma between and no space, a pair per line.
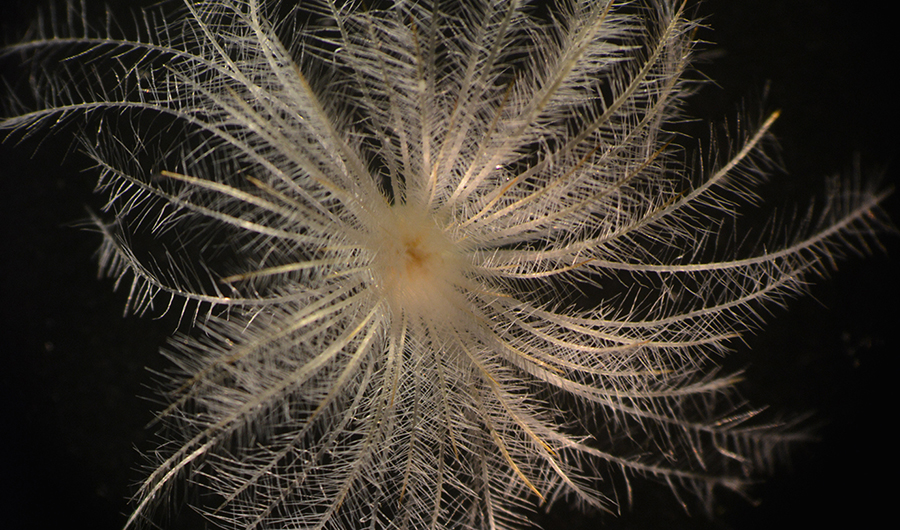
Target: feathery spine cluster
381,230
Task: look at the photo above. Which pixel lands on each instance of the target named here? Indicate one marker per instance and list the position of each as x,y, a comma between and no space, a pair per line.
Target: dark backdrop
72,369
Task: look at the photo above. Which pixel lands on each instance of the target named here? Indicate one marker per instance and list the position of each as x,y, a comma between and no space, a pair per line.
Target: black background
72,370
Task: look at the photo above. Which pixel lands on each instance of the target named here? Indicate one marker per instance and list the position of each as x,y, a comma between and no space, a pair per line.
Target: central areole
416,265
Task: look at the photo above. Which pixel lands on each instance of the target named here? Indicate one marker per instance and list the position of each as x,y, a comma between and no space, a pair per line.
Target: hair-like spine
383,229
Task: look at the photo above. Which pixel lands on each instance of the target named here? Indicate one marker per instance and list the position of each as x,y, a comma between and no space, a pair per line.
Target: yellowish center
416,265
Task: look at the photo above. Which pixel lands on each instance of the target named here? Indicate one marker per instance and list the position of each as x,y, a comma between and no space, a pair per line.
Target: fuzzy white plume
442,258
